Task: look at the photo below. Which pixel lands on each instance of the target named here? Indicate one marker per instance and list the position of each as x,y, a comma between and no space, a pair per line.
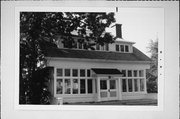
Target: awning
106,71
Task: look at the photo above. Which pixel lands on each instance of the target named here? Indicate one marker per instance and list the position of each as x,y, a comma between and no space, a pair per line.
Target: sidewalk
120,102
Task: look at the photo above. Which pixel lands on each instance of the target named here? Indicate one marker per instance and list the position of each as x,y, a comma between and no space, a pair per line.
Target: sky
141,25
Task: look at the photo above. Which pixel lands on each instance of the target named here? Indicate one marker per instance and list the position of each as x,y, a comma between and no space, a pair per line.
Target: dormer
120,45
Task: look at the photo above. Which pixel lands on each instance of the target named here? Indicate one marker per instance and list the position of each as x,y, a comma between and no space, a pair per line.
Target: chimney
118,30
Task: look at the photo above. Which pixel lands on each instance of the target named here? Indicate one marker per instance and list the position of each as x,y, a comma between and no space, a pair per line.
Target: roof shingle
100,55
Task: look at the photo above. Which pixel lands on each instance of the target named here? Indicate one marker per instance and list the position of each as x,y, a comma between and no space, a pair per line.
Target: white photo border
18,106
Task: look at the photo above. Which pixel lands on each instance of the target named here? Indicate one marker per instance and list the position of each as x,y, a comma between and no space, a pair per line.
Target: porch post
120,89
145,82
98,89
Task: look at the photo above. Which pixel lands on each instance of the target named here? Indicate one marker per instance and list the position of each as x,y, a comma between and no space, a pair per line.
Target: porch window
88,72
67,72
67,87
82,72
141,73
75,72
130,85
112,84
124,88
59,72
135,73
135,85
59,86
141,85
90,88
129,73
68,81
124,73
82,86
75,86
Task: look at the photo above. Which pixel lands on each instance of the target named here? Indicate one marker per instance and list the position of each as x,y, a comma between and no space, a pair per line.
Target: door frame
119,91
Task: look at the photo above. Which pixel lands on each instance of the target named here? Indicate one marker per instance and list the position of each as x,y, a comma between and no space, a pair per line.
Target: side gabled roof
98,55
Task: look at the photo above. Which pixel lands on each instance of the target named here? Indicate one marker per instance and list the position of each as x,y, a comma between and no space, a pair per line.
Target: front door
108,89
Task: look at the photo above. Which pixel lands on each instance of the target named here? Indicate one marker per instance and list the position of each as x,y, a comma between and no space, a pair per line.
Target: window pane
90,89
130,85
67,86
82,86
141,73
107,47
129,73
67,72
124,73
88,72
135,73
135,85
80,45
59,72
75,72
82,72
117,47
102,47
141,84
126,48
75,86
97,47
124,85
103,84
122,48
112,84
59,86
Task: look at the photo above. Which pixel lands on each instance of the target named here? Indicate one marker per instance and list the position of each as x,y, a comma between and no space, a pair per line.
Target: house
114,71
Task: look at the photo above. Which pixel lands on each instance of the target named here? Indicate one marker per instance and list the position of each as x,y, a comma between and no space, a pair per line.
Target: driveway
119,102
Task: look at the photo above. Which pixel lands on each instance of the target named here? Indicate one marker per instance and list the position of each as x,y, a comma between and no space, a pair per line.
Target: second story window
122,48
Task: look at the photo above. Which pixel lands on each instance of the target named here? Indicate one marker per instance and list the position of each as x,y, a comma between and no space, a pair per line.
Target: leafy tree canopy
38,30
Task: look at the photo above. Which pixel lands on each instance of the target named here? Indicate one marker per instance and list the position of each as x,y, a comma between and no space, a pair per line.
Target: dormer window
122,48
104,47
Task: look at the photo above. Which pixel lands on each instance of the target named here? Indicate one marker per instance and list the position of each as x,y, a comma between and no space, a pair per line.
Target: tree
38,31
152,73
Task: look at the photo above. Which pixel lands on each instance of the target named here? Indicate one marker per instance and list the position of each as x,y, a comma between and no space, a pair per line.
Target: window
67,72
107,47
59,86
103,84
88,73
82,72
126,48
124,85
112,84
141,73
68,81
141,85
130,85
124,73
117,47
135,73
135,85
90,89
59,72
97,47
80,46
75,72
67,86
122,48
129,73
82,86
75,86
